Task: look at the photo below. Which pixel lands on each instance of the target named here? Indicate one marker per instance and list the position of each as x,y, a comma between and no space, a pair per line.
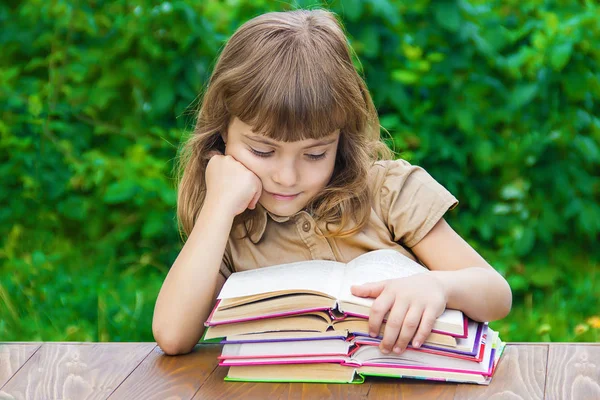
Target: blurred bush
498,100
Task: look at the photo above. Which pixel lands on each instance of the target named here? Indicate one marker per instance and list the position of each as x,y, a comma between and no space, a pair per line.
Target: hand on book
413,304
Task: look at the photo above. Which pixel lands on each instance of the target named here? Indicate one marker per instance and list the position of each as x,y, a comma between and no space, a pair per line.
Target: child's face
291,173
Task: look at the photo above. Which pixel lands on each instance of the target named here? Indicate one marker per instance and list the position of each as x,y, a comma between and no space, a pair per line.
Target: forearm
481,293
187,294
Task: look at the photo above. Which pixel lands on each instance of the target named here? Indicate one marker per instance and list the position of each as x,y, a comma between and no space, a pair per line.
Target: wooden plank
215,388
160,376
521,374
75,371
311,391
12,357
573,372
388,389
134,370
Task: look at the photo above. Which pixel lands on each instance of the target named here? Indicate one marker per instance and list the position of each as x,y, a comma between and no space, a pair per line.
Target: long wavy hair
290,76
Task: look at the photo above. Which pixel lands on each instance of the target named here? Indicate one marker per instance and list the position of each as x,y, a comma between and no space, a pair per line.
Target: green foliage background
499,100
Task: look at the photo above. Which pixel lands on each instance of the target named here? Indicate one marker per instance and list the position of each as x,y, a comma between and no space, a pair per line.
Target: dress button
306,226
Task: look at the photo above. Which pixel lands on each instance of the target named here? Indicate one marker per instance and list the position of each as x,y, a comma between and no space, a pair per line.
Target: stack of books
299,322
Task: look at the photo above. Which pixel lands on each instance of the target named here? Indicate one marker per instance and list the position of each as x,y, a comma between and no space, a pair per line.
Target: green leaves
163,96
352,9
498,101
447,14
405,77
522,95
121,191
560,55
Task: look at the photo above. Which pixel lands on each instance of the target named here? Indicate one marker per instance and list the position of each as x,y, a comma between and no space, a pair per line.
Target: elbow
171,343
173,347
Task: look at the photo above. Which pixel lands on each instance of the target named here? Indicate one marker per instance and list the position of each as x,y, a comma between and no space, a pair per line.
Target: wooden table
141,371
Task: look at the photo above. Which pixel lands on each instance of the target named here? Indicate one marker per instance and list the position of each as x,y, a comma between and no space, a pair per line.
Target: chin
282,211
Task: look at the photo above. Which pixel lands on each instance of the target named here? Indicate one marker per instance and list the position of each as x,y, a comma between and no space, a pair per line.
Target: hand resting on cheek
230,184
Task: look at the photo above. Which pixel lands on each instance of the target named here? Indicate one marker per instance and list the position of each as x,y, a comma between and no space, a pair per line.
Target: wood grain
165,377
12,357
75,371
521,374
215,388
142,371
309,391
389,388
573,372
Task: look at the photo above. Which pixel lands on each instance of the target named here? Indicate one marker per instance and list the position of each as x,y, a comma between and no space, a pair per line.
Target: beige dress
407,203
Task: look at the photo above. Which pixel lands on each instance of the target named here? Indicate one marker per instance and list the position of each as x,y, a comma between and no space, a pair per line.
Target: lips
281,196
284,195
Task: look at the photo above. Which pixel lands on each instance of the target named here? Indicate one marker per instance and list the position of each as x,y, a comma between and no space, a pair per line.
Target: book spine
286,380
426,378
254,357
418,368
364,339
210,316
461,335
266,316
442,352
228,363
465,327
240,341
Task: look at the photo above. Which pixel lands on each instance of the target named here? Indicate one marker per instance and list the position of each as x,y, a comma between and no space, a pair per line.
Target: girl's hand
231,185
414,303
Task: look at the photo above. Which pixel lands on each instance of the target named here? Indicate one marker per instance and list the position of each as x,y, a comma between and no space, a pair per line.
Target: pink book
369,361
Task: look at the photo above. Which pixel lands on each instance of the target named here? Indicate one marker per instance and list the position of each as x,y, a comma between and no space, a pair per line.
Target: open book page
314,275
376,266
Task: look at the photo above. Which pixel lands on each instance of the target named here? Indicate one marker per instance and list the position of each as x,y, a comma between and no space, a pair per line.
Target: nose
286,174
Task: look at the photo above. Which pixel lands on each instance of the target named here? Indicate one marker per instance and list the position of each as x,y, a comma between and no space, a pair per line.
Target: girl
286,164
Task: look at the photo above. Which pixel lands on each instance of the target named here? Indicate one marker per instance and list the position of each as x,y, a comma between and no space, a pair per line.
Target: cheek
249,161
331,166
320,176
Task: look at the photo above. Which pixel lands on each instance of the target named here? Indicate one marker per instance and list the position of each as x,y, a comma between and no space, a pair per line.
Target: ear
224,137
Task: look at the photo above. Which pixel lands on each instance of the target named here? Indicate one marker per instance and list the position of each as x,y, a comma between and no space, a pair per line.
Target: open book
312,324
316,285
262,364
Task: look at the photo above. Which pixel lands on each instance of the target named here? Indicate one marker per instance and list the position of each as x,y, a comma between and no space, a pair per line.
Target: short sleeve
226,268
411,201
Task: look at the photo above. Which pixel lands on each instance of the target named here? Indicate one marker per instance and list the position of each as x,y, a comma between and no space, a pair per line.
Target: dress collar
261,220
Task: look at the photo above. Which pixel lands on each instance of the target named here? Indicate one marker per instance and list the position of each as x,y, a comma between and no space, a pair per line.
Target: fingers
427,321
393,326
257,193
379,309
255,199
410,325
373,289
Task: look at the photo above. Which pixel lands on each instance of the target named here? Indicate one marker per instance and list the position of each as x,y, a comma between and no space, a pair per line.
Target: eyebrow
261,139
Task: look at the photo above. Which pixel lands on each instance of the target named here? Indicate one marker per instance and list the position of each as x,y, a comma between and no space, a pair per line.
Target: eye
260,153
315,157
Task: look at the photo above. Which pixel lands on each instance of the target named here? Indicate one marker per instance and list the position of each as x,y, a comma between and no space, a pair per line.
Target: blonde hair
290,76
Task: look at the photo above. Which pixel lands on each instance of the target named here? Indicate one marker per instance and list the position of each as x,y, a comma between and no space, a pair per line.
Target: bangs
289,117
295,92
